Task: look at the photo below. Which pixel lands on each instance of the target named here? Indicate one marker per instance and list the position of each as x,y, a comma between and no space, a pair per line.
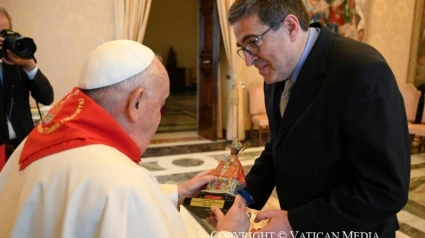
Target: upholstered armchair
411,97
257,110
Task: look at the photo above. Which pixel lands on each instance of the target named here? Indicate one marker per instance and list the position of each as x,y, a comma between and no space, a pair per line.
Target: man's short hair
6,14
270,12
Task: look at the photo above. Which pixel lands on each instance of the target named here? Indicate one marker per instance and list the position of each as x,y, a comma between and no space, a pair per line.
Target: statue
229,181
229,175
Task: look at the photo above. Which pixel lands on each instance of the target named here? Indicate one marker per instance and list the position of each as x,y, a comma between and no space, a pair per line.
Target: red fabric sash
2,156
73,122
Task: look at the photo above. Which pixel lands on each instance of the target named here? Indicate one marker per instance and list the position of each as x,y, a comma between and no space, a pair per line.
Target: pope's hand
192,187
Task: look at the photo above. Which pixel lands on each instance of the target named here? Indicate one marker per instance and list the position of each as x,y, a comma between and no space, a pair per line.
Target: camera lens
19,46
24,47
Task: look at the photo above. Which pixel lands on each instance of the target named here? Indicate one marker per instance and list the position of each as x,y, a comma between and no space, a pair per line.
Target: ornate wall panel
390,31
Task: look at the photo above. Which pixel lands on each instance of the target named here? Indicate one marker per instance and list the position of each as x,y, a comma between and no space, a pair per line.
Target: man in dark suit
339,152
18,78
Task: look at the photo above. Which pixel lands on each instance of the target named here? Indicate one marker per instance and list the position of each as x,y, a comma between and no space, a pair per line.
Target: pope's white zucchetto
113,62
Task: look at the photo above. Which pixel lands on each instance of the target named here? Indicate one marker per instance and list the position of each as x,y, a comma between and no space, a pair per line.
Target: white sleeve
32,73
143,212
171,192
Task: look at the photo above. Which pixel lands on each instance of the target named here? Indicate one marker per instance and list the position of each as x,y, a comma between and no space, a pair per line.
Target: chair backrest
423,116
421,104
411,97
256,100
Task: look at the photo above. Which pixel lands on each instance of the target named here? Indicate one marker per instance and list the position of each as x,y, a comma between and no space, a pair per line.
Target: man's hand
192,187
278,221
27,64
236,219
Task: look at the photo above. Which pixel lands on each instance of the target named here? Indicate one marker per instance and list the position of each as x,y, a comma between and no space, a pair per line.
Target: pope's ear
134,104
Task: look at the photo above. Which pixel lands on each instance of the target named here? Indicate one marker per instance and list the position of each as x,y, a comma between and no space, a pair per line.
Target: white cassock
90,191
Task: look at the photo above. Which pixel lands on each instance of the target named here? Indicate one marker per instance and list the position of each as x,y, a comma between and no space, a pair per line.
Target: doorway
172,33
186,35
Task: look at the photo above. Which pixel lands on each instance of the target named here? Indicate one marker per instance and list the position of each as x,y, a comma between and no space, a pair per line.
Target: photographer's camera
23,47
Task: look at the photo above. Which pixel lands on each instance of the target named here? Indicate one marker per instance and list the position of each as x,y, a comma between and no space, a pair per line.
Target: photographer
18,76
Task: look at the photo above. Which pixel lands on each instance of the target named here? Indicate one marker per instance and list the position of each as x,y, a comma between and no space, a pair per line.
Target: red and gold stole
73,122
2,156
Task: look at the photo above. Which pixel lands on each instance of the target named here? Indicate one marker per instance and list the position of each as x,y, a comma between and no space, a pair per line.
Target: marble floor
176,139
175,161
179,112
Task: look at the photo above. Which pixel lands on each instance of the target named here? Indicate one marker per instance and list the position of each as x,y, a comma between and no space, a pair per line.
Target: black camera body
23,47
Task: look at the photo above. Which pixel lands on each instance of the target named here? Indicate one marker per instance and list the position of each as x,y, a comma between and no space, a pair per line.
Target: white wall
65,32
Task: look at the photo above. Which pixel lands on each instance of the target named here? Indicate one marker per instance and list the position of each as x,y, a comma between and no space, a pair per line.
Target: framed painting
346,17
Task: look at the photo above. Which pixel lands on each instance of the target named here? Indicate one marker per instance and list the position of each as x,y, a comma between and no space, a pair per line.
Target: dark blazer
14,98
340,157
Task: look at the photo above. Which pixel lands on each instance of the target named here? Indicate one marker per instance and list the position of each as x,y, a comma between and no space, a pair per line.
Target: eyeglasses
252,48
